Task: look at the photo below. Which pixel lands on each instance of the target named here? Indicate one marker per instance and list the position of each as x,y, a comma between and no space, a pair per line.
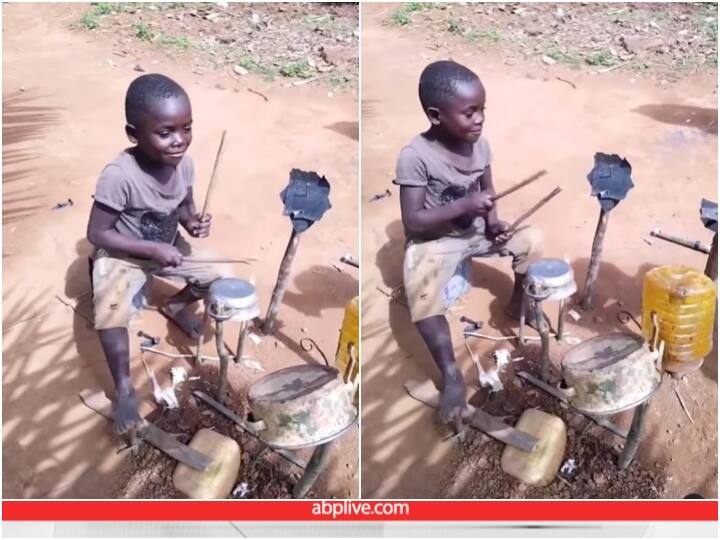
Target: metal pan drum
232,299
610,374
301,406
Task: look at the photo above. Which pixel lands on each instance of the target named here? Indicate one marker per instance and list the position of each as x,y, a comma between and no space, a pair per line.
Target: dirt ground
62,121
667,130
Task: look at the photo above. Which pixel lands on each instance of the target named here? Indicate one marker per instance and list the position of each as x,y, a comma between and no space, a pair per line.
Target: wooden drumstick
213,176
519,185
535,208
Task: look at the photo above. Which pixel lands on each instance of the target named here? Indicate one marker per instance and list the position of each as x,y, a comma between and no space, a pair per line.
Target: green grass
106,8
175,42
401,17
491,35
712,28
89,21
248,62
142,31
300,70
418,6
600,58
453,26
319,21
562,57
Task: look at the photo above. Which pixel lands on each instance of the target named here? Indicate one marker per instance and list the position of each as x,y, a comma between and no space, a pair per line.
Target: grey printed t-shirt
445,175
148,209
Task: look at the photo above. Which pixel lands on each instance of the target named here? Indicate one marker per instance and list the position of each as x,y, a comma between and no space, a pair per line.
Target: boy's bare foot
183,316
452,397
127,416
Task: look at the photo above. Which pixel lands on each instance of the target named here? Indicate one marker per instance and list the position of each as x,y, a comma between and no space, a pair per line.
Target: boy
140,198
446,184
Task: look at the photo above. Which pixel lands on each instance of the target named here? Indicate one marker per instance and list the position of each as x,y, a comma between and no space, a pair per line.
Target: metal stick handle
542,202
519,185
213,176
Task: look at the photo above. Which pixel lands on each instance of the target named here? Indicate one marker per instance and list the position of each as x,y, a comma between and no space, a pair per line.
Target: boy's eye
164,133
188,128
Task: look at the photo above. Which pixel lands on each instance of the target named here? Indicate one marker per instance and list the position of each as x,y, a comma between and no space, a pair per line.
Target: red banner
360,510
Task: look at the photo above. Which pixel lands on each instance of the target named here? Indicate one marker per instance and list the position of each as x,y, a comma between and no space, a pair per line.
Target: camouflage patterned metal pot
301,406
611,373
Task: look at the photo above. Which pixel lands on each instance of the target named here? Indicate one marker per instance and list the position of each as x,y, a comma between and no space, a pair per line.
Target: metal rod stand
198,356
544,332
224,360
241,341
594,265
634,435
318,462
281,284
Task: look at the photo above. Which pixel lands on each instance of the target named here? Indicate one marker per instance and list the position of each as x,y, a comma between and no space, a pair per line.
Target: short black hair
439,80
146,90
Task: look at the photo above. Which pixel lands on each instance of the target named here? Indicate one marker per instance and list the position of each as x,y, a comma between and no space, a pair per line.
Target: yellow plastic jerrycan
683,299
347,355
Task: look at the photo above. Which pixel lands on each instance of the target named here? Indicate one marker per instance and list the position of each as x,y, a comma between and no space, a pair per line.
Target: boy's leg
198,277
427,269
435,332
525,248
114,286
115,344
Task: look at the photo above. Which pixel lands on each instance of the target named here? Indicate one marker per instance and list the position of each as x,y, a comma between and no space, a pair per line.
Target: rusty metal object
301,406
595,254
281,284
611,373
696,245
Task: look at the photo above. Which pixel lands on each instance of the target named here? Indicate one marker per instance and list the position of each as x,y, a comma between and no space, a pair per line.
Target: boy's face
165,132
462,116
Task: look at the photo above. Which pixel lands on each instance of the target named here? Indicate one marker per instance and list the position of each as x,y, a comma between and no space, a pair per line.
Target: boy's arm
486,186
190,219
420,221
102,234
496,229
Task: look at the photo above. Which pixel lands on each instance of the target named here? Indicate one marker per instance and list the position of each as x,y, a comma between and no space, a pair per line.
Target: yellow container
684,300
539,467
347,355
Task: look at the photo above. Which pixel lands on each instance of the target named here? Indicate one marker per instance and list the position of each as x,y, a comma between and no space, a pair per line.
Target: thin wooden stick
682,404
213,176
535,208
204,260
519,185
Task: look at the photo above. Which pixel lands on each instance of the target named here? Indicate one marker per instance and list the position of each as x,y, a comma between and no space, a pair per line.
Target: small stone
138,67
483,463
239,70
533,31
547,60
303,330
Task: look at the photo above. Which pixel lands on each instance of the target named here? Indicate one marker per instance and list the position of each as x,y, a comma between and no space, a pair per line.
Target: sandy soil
62,121
668,133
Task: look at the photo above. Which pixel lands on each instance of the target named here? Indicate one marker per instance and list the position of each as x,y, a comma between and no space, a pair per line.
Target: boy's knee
532,240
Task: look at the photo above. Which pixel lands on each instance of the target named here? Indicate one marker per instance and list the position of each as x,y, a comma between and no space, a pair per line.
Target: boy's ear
433,114
131,133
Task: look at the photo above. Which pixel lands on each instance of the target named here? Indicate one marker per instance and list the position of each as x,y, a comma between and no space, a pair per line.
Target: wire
311,346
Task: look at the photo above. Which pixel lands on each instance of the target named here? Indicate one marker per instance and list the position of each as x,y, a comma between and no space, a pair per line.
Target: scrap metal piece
709,214
306,198
610,179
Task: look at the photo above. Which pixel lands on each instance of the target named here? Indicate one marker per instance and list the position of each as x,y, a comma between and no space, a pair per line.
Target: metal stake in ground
306,199
610,181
